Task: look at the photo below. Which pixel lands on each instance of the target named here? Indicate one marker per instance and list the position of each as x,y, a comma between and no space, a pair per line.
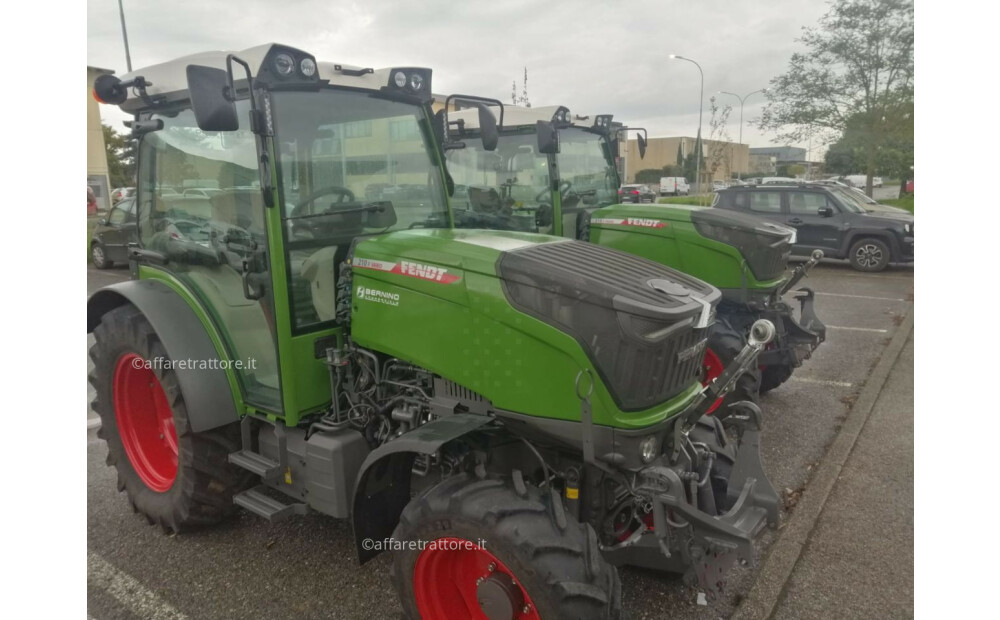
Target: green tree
856,75
649,175
121,157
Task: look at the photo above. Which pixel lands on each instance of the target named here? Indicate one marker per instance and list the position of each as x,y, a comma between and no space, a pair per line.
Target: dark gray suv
828,218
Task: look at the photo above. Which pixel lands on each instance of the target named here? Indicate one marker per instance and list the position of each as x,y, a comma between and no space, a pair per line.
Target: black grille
642,340
765,246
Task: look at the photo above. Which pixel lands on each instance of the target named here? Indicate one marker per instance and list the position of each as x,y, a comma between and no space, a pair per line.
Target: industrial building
722,160
97,158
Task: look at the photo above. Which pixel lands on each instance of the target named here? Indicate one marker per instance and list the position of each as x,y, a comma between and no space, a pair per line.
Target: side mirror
213,109
103,221
380,214
825,212
488,128
548,138
642,146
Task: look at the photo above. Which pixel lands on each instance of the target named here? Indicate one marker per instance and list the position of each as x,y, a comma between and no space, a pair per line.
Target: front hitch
761,333
801,271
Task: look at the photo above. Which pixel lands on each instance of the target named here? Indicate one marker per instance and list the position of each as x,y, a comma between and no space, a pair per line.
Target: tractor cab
550,169
252,203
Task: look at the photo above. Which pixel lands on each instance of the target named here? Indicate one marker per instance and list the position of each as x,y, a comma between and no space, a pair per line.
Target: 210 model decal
409,268
629,221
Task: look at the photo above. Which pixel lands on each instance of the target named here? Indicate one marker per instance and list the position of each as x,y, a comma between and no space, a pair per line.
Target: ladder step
268,507
256,463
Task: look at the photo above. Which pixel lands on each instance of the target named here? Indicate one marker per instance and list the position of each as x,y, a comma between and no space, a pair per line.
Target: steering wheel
344,196
563,192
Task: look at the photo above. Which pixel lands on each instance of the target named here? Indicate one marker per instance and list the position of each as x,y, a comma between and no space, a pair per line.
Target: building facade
722,160
97,157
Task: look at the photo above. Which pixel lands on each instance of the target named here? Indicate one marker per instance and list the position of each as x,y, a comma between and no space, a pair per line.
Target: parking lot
306,568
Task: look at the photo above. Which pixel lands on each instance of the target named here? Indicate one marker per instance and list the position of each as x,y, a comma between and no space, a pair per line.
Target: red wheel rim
145,422
713,368
452,573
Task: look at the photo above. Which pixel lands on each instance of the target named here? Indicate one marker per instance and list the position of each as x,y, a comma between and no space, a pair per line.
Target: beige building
97,157
722,159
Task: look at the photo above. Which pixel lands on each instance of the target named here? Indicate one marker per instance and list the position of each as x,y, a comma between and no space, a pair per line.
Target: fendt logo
364,293
629,221
409,269
426,272
697,350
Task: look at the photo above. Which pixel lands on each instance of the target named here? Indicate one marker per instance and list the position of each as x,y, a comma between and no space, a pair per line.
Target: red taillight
635,191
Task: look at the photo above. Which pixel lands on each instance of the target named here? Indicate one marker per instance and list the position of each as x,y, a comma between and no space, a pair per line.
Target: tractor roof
169,79
520,116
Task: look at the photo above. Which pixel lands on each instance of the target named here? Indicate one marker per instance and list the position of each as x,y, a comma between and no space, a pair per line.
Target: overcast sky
593,57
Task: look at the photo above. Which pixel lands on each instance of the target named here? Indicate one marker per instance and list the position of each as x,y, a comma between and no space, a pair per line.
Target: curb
784,554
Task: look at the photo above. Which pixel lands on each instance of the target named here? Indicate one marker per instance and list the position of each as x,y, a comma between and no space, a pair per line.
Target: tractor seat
320,269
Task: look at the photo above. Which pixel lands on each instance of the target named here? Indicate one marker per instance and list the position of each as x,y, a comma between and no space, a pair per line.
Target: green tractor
554,172
512,414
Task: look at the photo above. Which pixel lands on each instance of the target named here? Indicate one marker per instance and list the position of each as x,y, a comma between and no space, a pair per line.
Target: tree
857,75
120,151
720,144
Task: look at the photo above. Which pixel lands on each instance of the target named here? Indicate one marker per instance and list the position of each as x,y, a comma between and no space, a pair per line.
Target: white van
674,186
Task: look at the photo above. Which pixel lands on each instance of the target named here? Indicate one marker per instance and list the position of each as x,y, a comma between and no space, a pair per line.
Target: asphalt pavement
305,567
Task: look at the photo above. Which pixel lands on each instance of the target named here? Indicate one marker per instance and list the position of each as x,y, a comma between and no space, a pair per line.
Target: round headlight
308,67
399,78
416,81
648,448
284,65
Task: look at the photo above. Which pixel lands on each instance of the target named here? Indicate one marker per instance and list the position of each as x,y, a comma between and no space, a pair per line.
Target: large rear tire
177,478
528,559
724,345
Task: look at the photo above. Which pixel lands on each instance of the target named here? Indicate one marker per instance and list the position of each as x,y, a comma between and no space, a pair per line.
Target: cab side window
806,203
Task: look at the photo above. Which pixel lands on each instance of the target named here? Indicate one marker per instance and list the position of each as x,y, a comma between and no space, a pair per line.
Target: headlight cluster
413,81
908,229
287,64
603,121
649,448
562,115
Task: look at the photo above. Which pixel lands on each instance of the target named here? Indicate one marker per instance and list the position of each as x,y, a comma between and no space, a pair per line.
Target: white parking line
861,296
127,591
859,329
821,381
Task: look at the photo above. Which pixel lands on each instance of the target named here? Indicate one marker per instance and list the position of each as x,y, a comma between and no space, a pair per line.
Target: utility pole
701,106
128,57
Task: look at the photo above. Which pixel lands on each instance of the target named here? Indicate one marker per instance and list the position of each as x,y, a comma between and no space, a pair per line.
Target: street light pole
128,57
701,107
742,101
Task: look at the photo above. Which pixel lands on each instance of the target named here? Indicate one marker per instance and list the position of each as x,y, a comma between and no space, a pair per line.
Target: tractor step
257,502
257,463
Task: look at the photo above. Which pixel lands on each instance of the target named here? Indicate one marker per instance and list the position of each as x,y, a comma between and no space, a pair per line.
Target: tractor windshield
586,173
505,189
351,164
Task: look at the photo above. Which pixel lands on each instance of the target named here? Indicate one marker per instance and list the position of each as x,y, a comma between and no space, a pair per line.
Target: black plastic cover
764,245
635,319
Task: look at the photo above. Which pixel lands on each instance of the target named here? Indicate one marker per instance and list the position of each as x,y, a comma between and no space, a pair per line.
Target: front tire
177,478
869,255
534,560
773,376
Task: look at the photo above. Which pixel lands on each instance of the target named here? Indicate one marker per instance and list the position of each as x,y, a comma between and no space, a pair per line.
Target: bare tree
720,147
856,73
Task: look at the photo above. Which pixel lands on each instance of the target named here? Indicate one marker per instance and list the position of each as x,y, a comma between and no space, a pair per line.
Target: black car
636,193
828,218
113,234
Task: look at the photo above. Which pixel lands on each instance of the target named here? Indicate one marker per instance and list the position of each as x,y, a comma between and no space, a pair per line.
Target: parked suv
636,193
828,218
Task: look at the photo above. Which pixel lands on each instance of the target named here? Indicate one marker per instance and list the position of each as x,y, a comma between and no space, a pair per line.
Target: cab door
216,243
